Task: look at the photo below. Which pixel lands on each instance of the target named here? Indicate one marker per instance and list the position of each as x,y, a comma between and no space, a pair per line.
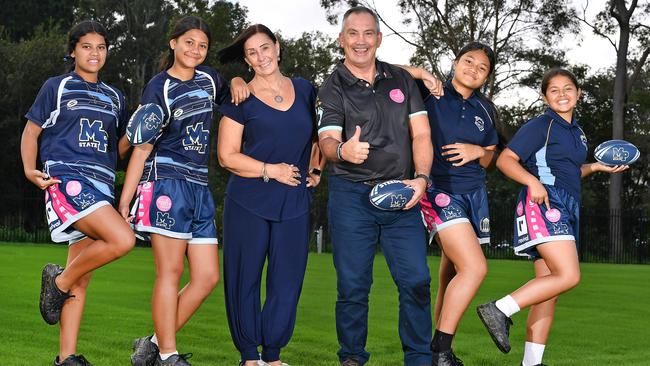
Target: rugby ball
145,124
391,195
616,152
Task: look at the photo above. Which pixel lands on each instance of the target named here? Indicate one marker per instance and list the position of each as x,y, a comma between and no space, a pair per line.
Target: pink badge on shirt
553,215
442,200
164,203
520,209
397,96
73,188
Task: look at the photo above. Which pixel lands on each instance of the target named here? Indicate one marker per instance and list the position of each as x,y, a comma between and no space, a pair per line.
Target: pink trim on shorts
60,204
144,203
535,220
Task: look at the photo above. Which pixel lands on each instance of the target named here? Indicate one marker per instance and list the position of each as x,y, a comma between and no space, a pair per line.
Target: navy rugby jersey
181,150
82,123
553,150
274,136
457,120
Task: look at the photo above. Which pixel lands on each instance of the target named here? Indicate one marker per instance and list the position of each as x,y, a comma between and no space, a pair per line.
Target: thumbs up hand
355,151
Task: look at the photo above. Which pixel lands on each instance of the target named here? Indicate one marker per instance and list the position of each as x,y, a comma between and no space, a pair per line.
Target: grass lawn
604,321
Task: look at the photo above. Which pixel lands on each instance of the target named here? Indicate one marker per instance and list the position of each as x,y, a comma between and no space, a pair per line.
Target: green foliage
22,19
518,32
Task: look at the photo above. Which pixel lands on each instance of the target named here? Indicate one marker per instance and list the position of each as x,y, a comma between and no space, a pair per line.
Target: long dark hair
75,34
234,52
183,25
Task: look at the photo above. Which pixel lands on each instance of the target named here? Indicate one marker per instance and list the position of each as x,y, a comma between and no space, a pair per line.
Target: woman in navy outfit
268,143
547,156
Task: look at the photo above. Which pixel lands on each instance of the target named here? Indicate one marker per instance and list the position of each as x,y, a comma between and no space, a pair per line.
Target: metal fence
612,237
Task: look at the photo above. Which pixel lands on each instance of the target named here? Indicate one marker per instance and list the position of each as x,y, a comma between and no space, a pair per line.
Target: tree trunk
618,119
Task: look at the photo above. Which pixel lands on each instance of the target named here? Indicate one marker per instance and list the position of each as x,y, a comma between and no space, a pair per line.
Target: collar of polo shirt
350,79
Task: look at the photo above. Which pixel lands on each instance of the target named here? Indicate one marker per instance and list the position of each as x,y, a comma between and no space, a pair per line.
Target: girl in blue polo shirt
174,205
547,156
75,123
464,136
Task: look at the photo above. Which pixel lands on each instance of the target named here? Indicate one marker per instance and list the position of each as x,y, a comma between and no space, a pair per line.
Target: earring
250,69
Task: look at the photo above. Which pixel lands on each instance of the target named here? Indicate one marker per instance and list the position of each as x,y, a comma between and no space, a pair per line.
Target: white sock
507,305
164,356
533,353
154,339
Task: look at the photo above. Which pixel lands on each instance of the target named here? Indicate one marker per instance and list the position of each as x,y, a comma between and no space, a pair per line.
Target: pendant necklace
277,98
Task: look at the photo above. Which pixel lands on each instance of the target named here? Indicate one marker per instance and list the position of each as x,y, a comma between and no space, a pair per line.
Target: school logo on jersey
583,139
93,135
451,212
560,228
197,138
478,121
163,219
84,200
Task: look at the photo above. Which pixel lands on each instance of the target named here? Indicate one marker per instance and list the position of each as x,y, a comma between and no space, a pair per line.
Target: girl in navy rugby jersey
547,156
79,120
174,206
456,208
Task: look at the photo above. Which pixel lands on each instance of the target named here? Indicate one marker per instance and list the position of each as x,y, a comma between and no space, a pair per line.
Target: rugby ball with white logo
145,124
391,195
616,152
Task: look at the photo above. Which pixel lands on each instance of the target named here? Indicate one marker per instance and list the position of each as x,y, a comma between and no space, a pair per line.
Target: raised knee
573,280
123,244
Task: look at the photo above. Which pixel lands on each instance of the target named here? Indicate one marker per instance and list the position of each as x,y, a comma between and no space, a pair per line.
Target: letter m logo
196,138
93,134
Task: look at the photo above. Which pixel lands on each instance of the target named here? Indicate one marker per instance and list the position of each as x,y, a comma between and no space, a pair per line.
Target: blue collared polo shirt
457,120
553,150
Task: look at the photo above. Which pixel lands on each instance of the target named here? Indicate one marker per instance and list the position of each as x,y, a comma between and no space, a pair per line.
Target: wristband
425,177
338,151
315,171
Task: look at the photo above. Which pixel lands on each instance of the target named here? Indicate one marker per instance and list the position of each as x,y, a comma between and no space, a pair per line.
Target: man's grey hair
358,10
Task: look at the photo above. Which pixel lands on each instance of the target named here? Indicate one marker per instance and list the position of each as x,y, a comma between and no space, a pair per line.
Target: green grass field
604,321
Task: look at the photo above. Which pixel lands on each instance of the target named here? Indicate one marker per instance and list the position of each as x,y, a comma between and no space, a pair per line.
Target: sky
293,17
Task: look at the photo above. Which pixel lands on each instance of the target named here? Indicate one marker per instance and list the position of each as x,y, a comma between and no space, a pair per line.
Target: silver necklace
277,98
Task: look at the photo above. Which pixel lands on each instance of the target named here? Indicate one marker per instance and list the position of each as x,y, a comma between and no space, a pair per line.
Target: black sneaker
144,352
174,360
350,362
497,324
446,358
52,298
72,360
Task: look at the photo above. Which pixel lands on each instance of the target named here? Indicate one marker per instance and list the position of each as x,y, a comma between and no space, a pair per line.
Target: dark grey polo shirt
382,110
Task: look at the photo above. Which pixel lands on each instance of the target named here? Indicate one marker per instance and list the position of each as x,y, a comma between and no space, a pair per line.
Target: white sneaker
262,363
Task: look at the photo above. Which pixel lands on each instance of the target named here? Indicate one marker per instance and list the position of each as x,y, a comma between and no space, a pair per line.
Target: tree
22,18
516,30
631,25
